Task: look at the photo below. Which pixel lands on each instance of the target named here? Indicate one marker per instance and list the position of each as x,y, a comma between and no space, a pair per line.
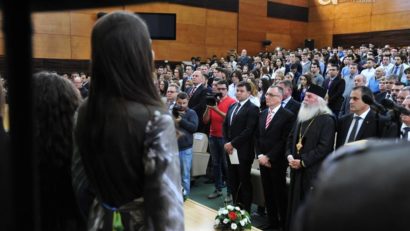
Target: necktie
406,131
352,136
330,83
192,92
395,70
351,76
235,112
268,119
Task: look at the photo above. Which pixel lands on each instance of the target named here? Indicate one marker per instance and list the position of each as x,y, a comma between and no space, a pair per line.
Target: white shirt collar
363,115
275,109
285,101
244,101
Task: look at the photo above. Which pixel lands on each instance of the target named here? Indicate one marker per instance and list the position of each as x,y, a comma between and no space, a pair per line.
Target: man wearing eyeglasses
274,127
216,115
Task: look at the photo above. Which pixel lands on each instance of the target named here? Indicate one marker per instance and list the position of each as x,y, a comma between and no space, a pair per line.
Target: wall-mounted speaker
310,43
100,14
266,43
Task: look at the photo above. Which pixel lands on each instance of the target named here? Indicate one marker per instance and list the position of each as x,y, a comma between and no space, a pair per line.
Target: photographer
215,113
187,122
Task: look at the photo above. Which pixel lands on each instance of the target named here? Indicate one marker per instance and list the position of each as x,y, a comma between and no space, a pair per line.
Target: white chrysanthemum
217,221
225,221
225,211
219,212
243,222
242,212
230,207
237,208
234,226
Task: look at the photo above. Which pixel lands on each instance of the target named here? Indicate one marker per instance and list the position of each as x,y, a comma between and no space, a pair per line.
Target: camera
212,98
175,110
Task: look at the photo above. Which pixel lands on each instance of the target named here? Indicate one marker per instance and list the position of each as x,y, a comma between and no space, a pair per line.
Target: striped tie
192,92
269,119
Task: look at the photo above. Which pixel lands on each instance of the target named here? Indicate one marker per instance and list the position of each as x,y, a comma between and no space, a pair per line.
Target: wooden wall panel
390,6
52,46
221,19
81,24
322,13
357,17
253,7
352,25
381,22
352,10
80,47
51,23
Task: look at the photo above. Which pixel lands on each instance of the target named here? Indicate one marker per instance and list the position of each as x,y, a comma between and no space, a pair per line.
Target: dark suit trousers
240,182
274,188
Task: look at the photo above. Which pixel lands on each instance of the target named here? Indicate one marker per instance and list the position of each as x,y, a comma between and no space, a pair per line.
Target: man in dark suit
359,80
288,102
363,122
335,87
238,130
275,124
197,99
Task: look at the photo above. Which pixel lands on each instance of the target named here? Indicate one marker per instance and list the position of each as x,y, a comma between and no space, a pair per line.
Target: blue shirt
374,85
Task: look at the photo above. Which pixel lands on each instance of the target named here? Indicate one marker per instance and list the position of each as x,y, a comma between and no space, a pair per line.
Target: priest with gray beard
309,143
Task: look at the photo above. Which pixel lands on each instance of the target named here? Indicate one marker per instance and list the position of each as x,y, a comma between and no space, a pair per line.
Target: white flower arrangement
232,218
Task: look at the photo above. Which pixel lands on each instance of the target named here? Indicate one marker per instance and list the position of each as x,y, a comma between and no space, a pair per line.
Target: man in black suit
335,87
238,130
363,122
275,124
197,99
288,102
359,80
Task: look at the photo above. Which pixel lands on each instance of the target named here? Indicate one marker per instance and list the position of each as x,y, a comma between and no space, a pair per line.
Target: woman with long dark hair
55,101
305,82
125,137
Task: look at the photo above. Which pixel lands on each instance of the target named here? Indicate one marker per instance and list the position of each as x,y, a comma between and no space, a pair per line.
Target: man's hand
264,161
295,164
229,148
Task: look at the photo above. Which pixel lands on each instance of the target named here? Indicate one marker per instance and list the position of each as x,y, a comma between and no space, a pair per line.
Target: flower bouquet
232,218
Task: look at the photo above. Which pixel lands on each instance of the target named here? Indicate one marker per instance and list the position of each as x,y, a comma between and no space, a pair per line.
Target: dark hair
163,92
238,75
335,65
407,70
220,82
2,100
55,101
398,83
364,90
122,62
265,84
308,77
182,95
287,83
244,84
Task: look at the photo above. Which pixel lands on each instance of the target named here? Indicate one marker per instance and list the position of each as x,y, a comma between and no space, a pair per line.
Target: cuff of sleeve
302,163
